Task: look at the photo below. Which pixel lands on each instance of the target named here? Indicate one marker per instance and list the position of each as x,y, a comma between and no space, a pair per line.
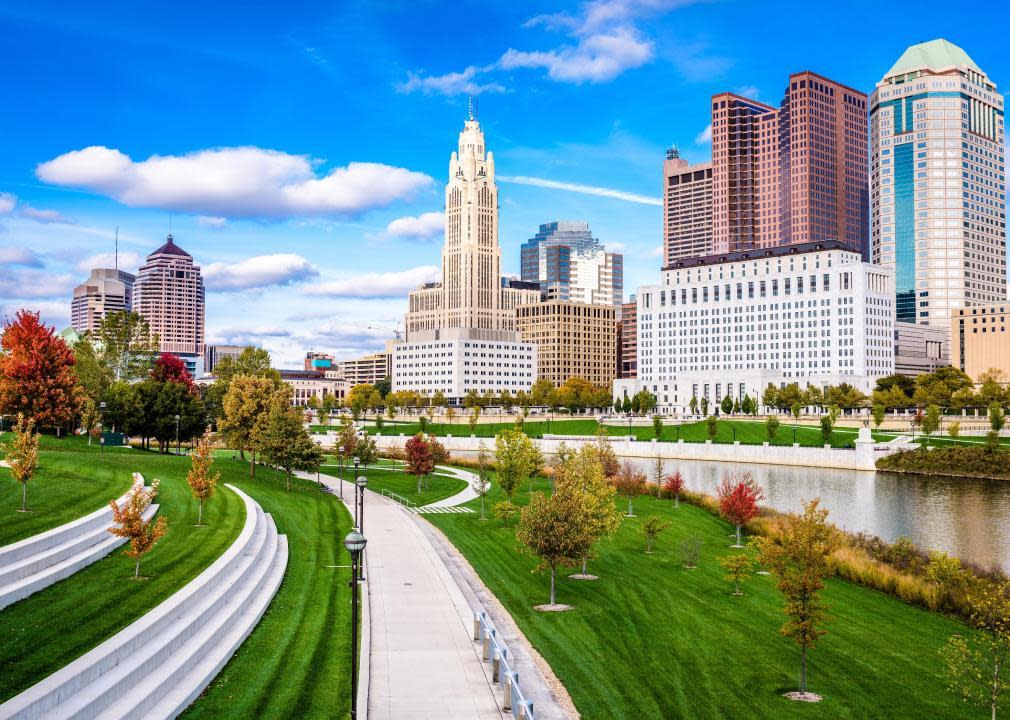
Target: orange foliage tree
200,480
37,375
130,524
23,456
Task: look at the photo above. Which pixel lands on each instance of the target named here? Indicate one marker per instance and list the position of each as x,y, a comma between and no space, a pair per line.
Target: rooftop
759,253
936,55
170,248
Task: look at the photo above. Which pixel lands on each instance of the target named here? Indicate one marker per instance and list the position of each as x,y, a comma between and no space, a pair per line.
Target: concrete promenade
422,662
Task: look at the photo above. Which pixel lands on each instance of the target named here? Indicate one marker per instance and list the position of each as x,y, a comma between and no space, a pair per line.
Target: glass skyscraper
937,183
570,264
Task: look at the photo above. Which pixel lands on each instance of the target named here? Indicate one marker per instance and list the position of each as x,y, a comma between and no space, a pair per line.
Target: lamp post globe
355,543
101,425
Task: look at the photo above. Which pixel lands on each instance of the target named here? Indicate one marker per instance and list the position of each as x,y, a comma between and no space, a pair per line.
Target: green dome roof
935,54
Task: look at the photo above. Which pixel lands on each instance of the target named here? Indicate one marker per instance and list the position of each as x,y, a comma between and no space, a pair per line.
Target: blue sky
301,148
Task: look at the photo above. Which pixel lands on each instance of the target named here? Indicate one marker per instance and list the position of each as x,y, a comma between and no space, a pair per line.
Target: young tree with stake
482,481
630,483
673,484
738,500
738,569
517,458
417,456
651,529
130,523
200,480
23,455
583,472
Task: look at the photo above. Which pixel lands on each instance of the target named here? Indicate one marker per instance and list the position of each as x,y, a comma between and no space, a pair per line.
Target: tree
481,483
617,404
23,455
366,451
737,407
796,409
878,413
771,427
582,472
555,529
630,483
246,408
954,429
37,376
517,458
130,523
540,390
605,454
738,500
651,529
423,422
169,368
748,406
770,396
827,428
286,444
162,402
996,421
931,421
347,437
704,406
712,426
673,485
450,413
693,404
127,347
738,568
726,405
626,405
383,386
417,456
799,556
657,426
200,480
977,663
690,551
474,417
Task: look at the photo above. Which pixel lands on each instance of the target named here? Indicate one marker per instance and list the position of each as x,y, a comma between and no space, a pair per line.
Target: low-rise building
920,349
730,324
368,369
307,384
980,340
213,354
319,361
572,340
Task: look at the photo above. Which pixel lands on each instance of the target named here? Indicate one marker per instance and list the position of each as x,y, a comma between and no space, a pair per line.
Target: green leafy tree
878,415
366,451
246,407
626,405
126,346
481,483
726,405
800,558
931,421
617,404
582,472
770,397
827,428
704,405
738,569
996,421
286,444
652,528
771,427
954,429
517,458
712,427
796,409
693,404
657,426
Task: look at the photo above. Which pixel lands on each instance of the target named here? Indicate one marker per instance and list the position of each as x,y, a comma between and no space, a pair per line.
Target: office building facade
572,340
687,208
628,347
920,349
569,264
813,314
213,354
370,368
107,290
980,340
937,183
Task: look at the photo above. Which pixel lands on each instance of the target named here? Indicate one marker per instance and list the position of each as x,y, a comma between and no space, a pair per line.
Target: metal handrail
398,498
493,650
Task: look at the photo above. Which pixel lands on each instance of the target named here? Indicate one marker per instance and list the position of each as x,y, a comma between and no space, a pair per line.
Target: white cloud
453,83
211,221
616,247
749,91
598,57
656,252
10,255
376,285
584,189
51,312
7,203
422,227
234,182
258,272
30,283
44,216
127,260
705,136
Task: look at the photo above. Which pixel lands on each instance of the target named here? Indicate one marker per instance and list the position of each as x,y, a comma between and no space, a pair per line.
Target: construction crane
397,333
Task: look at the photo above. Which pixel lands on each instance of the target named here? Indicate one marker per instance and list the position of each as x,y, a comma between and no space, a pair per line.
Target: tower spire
469,107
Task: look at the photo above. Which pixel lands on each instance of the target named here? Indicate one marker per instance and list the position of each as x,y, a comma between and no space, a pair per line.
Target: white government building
730,324
461,332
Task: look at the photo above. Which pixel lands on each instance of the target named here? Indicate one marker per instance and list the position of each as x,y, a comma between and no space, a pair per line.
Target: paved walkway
465,495
423,663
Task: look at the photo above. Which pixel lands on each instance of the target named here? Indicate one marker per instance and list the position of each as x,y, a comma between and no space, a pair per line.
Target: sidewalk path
465,495
423,663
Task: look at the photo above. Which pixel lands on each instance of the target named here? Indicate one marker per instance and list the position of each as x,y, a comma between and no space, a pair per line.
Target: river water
967,518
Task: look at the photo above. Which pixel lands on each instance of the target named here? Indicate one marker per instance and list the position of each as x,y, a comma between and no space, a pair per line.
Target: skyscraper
687,208
793,174
937,183
570,264
107,290
461,332
169,294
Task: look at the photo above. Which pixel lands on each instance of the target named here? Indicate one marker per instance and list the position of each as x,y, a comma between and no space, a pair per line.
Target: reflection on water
965,517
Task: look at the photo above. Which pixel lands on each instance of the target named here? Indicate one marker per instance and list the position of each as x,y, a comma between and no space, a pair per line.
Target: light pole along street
359,485
101,426
176,434
355,543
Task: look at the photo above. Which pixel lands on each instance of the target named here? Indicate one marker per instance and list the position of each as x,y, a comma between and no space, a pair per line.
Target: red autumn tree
738,499
673,484
37,377
417,456
170,368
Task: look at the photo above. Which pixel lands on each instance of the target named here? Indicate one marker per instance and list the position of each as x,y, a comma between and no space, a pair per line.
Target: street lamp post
355,543
176,434
101,425
357,462
361,483
794,434
340,463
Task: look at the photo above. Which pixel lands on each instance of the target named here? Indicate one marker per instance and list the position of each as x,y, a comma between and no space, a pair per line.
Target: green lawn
44,632
439,486
651,639
62,490
295,663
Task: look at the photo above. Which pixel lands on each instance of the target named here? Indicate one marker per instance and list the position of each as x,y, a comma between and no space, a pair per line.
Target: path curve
463,496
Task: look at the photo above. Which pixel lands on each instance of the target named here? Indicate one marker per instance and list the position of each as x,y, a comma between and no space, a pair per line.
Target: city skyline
289,278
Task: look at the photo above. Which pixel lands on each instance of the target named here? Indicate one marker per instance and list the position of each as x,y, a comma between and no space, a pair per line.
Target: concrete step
38,572
166,658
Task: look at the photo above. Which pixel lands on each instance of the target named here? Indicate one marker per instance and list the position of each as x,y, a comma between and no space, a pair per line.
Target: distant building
572,340
306,384
568,263
793,174
368,369
319,361
628,350
937,180
106,291
980,340
730,324
687,208
213,354
169,294
920,349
